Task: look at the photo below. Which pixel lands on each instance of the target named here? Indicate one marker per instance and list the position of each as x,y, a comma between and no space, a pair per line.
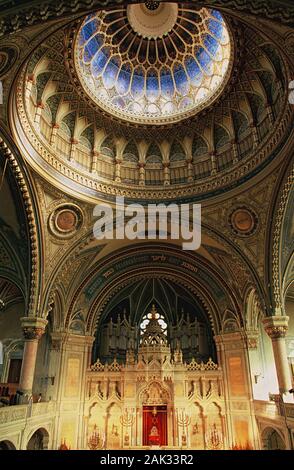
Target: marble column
213,163
55,128
74,142
33,329
31,81
95,156
235,151
38,112
141,173
254,134
166,172
117,176
190,171
277,327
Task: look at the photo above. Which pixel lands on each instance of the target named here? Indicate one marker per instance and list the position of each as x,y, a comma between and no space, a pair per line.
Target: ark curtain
159,421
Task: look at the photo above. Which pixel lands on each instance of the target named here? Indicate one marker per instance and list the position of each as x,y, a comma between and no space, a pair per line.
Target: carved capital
276,327
33,333
33,328
252,339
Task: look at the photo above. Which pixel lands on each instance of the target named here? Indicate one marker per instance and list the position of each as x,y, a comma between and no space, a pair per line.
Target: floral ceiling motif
154,66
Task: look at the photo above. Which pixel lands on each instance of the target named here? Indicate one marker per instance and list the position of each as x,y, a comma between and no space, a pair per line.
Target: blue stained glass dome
154,66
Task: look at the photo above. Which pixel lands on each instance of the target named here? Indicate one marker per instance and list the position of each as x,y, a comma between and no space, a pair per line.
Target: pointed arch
108,147
177,152
221,136
131,152
153,154
199,146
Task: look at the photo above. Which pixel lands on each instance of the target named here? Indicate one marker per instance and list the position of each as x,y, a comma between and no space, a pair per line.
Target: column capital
33,327
252,339
276,326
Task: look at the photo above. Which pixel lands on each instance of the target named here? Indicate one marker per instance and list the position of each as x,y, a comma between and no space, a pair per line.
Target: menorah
127,420
183,422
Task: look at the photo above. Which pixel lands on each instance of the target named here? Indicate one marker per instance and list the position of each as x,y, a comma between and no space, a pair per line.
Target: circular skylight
153,65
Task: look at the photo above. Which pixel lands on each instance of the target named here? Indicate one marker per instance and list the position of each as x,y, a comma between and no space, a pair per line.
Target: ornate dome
68,138
153,63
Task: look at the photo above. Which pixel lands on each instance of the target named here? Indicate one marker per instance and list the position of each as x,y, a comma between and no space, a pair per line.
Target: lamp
2,305
151,5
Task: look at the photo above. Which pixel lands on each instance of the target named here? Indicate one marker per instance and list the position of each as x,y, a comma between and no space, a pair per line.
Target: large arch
280,240
273,439
162,259
29,209
38,440
7,445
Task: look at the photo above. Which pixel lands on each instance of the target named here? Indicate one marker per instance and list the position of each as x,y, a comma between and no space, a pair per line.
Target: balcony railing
9,414
273,409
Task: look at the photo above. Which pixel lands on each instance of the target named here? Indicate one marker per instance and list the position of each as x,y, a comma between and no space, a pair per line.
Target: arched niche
196,427
39,440
7,445
96,426
289,310
114,427
214,432
12,308
273,439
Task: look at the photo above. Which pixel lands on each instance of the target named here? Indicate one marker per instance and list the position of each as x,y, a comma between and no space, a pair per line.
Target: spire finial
153,312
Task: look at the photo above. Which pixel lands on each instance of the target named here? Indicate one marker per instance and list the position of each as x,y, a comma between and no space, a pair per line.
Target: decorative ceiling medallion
154,66
153,23
243,221
65,220
152,5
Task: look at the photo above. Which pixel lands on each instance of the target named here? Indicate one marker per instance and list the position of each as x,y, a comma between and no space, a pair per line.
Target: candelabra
127,421
95,441
214,439
183,422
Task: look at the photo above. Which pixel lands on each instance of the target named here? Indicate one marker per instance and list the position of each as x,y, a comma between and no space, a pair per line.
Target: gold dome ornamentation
153,65
92,153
